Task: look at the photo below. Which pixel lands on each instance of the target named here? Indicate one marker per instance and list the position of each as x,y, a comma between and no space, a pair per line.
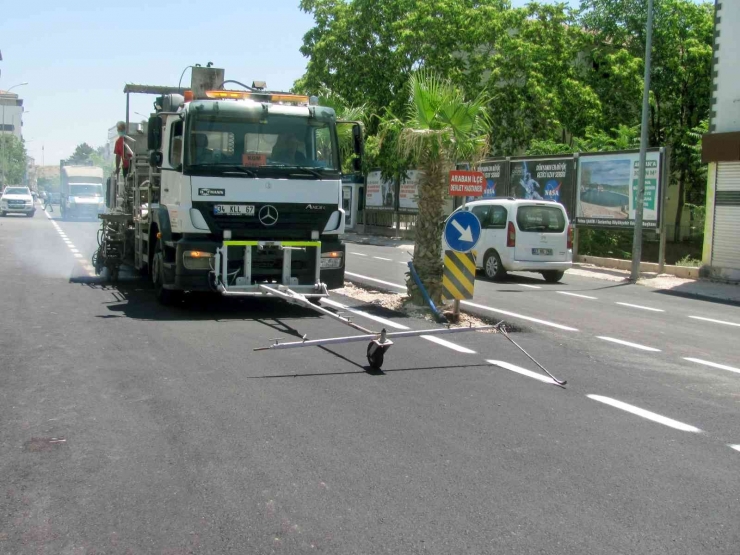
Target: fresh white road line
642,307
396,285
530,286
73,249
520,316
523,371
358,254
448,344
713,364
381,258
715,321
735,447
378,319
78,255
389,323
628,344
576,295
645,414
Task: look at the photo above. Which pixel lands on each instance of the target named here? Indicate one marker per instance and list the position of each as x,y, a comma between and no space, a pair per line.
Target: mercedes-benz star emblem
268,215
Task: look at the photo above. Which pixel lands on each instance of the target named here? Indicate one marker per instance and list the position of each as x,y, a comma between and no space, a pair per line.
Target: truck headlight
197,260
331,260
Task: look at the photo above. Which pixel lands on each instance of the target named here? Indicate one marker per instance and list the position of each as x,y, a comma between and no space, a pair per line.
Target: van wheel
492,266
553,276
166,297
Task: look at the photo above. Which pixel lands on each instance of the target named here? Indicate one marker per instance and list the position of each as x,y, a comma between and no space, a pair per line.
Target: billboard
543,179
495,175
379,193
408,192
607,189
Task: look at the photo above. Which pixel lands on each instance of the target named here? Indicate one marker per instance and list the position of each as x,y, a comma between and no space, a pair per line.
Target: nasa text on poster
495,174
544,179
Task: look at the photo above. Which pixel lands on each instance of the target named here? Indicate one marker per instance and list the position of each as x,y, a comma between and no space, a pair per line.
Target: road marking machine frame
306,296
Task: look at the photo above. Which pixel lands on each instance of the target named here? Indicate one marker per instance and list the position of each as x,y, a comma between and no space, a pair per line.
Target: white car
522,235
17,200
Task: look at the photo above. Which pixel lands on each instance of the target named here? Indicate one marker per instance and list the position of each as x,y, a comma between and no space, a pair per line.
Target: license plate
234,210
542,252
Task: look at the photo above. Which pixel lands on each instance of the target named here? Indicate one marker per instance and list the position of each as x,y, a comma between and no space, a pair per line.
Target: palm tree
439,128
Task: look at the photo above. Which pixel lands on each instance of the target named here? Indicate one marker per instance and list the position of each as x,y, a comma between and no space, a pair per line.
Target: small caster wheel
375,356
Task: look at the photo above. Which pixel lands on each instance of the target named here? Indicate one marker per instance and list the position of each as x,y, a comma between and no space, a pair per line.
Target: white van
522,235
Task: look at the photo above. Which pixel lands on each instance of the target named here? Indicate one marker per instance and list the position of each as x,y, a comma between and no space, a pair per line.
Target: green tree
82,155
681,77
12,160
438,127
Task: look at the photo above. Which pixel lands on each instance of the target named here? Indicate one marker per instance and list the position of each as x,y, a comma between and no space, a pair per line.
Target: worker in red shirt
122,151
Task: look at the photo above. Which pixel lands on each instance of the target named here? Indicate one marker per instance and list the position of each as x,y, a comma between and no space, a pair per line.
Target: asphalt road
131,428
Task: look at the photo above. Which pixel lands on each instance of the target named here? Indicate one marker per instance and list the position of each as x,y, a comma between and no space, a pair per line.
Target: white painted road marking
389,323
358,254
381,258
576,295
396,285
523,371
713,364
715,321
645,413
520,316
448,344
735,447
530,286
642,307
628,344
345,308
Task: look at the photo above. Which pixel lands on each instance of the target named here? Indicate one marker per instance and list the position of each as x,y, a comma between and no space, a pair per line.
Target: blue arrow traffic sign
462,231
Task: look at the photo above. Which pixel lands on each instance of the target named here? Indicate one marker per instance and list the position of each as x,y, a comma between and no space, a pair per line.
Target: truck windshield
280,145
86,190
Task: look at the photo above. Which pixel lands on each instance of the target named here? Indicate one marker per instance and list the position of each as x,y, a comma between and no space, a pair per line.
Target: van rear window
540,219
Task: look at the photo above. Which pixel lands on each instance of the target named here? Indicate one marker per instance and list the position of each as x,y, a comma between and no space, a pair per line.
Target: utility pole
639,208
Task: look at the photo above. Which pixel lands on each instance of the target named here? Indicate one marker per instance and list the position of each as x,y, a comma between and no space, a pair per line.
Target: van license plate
542,252
234,210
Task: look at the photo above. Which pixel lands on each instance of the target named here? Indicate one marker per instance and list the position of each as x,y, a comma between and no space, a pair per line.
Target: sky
77,56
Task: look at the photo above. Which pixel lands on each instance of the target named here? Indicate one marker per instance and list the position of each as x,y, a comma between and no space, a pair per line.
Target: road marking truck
230,190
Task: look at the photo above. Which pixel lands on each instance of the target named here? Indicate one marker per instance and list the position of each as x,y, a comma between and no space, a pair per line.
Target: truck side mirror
357,164
155,159
154,136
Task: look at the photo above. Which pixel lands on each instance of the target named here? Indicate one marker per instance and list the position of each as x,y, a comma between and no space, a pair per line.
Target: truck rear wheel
166,297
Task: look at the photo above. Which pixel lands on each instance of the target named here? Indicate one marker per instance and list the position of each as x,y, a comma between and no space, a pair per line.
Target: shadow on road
135,299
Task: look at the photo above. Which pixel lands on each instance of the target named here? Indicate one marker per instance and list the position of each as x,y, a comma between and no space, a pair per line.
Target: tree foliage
438,127
12,160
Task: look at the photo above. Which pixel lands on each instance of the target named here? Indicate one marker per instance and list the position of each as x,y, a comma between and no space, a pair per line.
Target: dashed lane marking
713,364
645,413
396,285
74,250
576,295
735,447
641,307
522,371
358,254
715,321
381,258
530,286
448,344
520,316
629,344
378,319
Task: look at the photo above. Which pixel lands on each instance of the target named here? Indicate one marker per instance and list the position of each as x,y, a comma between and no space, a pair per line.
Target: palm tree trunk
428,243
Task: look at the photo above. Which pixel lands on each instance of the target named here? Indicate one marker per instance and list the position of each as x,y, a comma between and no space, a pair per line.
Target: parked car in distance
17,200
522,235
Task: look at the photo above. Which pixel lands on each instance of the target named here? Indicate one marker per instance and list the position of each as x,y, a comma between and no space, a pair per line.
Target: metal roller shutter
726,236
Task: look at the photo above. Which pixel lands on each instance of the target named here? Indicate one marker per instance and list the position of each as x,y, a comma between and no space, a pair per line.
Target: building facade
11,114
721,150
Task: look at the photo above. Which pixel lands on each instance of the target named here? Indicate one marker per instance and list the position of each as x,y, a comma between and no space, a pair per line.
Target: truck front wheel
166,297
